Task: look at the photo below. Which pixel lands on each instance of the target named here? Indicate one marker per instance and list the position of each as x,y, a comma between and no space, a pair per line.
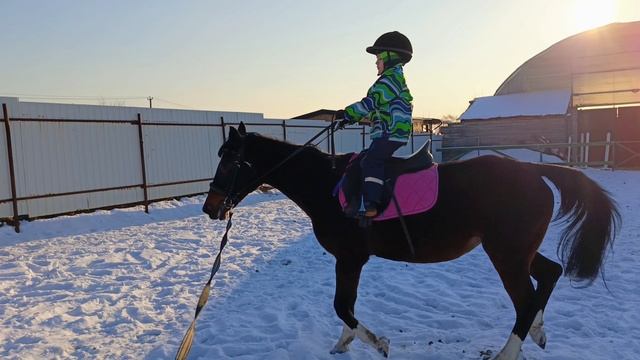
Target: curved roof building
599,66
585,88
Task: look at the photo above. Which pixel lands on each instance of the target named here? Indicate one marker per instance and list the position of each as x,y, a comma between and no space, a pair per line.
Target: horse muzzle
217,207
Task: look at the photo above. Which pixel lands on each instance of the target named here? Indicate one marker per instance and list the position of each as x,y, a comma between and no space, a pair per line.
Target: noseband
230,199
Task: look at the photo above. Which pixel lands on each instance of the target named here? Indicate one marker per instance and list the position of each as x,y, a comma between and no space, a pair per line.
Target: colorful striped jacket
387,105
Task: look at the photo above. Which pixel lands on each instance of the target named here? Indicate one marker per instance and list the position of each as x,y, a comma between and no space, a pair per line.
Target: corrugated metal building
599,67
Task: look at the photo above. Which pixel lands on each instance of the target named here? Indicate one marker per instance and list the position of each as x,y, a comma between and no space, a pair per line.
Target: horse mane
310,155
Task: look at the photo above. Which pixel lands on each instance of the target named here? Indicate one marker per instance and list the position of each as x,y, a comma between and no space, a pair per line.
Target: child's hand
342,123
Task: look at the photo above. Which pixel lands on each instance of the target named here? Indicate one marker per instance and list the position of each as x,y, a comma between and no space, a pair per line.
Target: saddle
417,176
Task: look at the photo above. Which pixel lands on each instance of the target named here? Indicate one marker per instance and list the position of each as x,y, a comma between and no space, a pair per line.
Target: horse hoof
383,346
538,336
502,356
339,349
537,331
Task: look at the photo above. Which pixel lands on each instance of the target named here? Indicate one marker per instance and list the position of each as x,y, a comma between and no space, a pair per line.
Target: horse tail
592,219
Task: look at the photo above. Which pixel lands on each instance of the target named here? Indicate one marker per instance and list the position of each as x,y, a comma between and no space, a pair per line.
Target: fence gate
627,131
622,125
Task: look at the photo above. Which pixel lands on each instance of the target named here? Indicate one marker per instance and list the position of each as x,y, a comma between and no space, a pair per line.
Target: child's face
379,64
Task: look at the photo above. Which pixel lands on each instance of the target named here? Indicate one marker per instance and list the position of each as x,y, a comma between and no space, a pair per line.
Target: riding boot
371,193
372,165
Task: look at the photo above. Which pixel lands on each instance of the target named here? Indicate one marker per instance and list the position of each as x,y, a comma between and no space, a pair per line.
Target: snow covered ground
123,284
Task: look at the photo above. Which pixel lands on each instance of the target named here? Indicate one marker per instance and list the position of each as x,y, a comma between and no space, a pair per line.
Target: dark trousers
373,169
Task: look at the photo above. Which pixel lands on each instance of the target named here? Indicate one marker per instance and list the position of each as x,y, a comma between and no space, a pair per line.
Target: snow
537,103
123,284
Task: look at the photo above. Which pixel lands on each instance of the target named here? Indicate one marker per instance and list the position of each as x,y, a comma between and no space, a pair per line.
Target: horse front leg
347,280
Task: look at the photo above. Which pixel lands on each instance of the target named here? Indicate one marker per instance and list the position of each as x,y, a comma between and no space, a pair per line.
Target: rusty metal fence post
224,135
412,141
12,173
284,131
144,167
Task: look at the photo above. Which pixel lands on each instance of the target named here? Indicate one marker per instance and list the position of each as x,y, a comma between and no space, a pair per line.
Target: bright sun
593,13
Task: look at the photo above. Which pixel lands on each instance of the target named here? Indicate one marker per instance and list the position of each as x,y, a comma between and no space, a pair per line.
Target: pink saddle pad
416,193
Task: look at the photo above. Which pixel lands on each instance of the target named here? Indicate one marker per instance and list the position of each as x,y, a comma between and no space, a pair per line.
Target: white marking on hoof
342,346
537,331
512,350
381,344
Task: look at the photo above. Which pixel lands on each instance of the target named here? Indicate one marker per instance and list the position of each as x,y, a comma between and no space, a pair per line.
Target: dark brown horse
503,204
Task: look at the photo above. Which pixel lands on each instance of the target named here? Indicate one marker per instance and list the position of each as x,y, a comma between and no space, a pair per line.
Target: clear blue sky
279,57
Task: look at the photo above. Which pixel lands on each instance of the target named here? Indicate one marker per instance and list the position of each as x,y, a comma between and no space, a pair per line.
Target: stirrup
370,213
366,215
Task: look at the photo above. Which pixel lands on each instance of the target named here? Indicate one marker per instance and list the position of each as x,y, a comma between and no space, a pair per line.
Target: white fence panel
350,139
55,158
69,111
177,154
266,127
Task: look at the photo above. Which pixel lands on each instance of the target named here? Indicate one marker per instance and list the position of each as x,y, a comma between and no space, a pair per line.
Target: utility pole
150,98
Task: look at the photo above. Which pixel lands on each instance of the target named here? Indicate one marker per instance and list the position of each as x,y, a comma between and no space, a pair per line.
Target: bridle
231,199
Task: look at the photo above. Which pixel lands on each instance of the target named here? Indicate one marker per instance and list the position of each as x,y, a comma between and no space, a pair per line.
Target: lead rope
187,341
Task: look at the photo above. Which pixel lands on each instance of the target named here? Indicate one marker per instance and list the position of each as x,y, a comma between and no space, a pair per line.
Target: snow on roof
540,103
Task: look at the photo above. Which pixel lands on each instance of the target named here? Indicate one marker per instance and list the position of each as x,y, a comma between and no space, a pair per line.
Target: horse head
234,176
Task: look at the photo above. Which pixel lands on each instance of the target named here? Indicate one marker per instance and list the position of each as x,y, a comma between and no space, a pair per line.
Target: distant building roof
540,103
322,114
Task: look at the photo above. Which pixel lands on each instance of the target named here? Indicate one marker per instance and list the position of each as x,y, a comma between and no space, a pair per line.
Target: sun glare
589,14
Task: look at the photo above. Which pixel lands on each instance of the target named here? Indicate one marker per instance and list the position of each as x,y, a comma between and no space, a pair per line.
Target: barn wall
505,131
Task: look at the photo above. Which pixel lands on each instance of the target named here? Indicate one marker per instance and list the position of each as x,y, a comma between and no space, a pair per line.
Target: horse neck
307,178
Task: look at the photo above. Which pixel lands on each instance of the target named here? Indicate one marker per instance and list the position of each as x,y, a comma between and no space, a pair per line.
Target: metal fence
59,159
581,154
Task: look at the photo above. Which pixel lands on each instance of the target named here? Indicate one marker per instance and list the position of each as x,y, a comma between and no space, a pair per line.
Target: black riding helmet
393,41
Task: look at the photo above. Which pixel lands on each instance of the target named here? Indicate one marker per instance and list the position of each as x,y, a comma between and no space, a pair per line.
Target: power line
174,103
91,98
73,97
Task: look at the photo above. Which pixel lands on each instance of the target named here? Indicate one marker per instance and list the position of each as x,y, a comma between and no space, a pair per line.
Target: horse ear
242,129
233,133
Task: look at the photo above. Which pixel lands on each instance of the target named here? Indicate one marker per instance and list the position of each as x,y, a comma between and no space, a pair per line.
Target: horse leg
546,273
514,273
347,279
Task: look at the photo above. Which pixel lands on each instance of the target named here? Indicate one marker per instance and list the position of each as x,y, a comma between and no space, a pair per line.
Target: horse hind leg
546,273
513,269
520,289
